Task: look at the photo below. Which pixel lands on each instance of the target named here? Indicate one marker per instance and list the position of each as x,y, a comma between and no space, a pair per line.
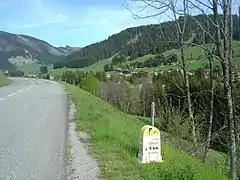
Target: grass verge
114,138
4,80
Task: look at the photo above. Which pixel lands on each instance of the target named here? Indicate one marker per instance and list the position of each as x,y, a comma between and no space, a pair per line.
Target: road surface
33,130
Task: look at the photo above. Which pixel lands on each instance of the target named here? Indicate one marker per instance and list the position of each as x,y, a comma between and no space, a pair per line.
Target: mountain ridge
135,42
18,49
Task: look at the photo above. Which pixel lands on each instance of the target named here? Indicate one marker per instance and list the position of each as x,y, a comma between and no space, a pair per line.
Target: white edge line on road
8,96
11,94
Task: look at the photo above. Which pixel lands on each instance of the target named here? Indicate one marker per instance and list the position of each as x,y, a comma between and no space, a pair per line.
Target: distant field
57,72
190,53
99,66
141,59
150,69
195,58
31,68
4,80
114,138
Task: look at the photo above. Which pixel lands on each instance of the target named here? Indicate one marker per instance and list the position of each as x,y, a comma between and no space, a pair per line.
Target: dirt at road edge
80,165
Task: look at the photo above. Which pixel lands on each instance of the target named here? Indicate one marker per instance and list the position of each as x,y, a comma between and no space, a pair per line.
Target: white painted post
153,112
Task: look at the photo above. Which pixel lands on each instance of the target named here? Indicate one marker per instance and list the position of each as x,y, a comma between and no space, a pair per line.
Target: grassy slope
114,141
143,58
94,67
196,52
99,65
4,80
56,72
31,68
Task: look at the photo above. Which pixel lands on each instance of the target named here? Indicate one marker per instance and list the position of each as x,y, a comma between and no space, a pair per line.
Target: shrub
90,84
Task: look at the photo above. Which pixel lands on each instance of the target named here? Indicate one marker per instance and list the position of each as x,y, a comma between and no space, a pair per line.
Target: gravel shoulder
80,165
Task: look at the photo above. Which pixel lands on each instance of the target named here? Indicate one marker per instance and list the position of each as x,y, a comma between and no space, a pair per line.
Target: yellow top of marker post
148,130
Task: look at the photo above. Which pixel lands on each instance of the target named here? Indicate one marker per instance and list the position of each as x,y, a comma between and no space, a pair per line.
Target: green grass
31,68
190,52
114,138
99,66
164,68
57,72
141,59
194,55
4,80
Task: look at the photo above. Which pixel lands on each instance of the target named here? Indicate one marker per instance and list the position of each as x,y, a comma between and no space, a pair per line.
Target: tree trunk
144,103
226,61
238,145
208,141
225,56
231,122
236,124
187,84
229,88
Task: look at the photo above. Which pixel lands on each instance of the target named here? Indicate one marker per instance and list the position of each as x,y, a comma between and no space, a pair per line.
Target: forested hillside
149,39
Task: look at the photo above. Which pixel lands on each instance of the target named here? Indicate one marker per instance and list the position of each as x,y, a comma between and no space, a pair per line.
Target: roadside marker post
149,145
153,112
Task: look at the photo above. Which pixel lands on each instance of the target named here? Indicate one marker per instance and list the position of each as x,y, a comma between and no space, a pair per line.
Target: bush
47,76
90,84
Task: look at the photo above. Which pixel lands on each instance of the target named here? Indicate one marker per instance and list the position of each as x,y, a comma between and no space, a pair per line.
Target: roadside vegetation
114,138
4,80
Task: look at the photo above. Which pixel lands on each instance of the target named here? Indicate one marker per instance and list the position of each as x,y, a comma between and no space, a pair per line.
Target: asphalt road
33,130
